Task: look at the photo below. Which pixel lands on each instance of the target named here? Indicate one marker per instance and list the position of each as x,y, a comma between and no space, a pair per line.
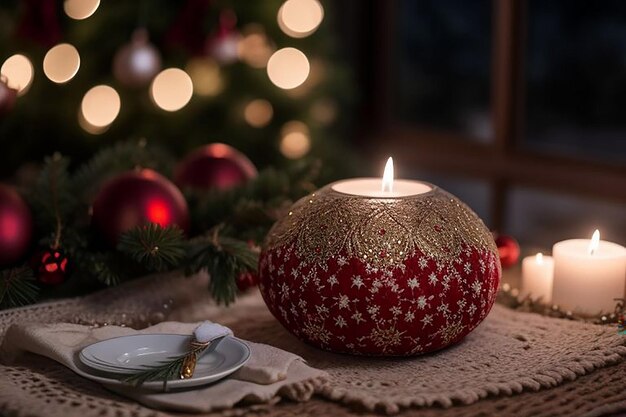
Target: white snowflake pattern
358,317
395,310
373,310
427,320
343,301
357,282
421,302
322,310
340,322
409,316
472,309
284,292
443,309
423,263
332,280
477,286
413,283
432,278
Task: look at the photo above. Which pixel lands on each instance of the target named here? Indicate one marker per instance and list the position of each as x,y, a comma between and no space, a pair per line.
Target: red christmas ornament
50,266
138,197
136,63
379,276
508,249
223,45
247,280
39,22
8,97
187,30
214,166
16,226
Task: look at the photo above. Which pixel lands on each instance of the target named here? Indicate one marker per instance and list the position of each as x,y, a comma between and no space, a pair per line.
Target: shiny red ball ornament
136,63
50,266
216,165
16,226
138,197
508,249
247,280
8,97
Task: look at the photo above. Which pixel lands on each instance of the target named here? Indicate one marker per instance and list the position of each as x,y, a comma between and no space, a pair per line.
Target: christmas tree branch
17,287
224,258
156,248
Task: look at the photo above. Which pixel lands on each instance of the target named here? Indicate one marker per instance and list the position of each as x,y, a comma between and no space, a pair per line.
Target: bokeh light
206,76
61,63
300,18
88,127
19,72
100,106
171,89
295,140
324,111
288,68
258,113
255,48
80,9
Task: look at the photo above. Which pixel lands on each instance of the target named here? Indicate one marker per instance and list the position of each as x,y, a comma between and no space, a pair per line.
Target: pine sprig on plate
164,370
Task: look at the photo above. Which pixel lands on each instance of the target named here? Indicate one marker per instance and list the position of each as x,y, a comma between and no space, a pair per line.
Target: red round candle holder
379,276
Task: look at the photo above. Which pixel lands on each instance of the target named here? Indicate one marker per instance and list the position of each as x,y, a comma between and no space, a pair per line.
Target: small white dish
105,361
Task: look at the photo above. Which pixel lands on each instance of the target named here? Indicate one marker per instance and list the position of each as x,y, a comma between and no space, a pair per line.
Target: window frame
502,163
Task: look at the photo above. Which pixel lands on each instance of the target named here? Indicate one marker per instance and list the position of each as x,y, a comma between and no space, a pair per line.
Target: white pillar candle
537,274
588,275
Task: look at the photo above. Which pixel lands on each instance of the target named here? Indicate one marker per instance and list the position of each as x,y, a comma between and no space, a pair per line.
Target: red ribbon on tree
39,23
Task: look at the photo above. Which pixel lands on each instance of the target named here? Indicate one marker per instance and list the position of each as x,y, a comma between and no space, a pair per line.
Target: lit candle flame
388,176
539,258
595,242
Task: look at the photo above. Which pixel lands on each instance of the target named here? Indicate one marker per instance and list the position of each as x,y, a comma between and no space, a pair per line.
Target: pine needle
224,258
17,287
156,248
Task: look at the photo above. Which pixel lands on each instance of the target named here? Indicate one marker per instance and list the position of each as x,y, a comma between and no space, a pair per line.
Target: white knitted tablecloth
516,363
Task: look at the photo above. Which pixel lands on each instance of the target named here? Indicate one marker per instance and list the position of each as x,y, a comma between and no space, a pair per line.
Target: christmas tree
103,88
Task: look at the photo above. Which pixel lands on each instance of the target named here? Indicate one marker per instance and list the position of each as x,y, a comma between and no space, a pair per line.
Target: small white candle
537,275
386,187
588,274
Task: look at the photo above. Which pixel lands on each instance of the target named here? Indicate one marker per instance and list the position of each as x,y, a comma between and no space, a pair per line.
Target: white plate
137,351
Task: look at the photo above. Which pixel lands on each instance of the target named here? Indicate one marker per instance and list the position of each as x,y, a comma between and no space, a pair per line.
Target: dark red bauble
216,165
508,249
247,280
16,226
8,97
50,266
138,197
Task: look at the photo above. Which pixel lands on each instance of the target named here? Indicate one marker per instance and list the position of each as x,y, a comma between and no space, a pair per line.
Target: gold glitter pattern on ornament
380,232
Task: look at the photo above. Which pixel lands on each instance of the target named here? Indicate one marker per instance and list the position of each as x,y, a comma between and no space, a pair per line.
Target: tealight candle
537,275
588,274
388,188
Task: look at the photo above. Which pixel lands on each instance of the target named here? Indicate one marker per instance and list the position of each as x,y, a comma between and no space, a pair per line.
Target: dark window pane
576,78
538,218
442,65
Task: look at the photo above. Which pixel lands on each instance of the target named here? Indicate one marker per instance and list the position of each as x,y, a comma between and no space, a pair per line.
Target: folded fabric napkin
269,373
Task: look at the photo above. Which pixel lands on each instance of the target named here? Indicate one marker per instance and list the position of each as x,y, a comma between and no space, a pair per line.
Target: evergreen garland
227,225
